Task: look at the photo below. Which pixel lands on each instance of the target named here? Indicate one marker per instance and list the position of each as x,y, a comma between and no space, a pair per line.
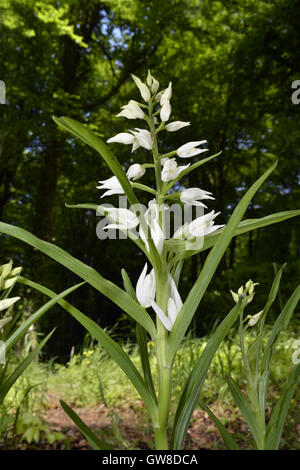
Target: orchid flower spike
171,170
192,196
135,172
145,287
189,150
245,293
131,111
112,184
124,219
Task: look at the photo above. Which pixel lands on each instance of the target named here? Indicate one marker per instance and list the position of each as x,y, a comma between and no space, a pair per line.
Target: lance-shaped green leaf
90,138
178,246
88,274
6,386
190,394
19,332
186,314
227,437
91,437
263,379
110,346
280,410
281,323
244,406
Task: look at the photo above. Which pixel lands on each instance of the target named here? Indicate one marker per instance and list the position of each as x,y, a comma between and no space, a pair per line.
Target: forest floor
128,428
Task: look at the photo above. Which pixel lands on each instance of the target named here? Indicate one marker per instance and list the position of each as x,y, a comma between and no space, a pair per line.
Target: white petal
6,303
122,138
163,318
165,111
176,125
144,90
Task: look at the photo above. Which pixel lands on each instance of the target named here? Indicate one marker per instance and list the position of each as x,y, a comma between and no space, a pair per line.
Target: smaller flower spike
189,150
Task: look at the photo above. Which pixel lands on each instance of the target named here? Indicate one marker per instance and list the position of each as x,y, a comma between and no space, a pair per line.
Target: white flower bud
176,125
135,172
144,90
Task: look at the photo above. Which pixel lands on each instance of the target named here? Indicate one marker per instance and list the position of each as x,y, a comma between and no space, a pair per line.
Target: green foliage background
232,65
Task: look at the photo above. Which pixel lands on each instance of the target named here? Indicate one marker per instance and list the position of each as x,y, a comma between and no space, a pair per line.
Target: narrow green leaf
280,410
281,323
227,437
198,290
6,386
88,274
90,138
95,443
110,346
19,332
190,394
244,406
243,227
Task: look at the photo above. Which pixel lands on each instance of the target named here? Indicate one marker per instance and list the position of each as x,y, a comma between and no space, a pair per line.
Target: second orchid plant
155,302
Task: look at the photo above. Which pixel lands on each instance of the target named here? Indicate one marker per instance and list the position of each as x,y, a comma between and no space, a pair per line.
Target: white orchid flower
135,172
6,303
152,219
131,111
174,302
138,138
124,219
192,196
142,138
122,138
112,184
189,150
171,170
176,125
152,83
165,95
145,287
173,308
165,111
199,227
253,319
144,90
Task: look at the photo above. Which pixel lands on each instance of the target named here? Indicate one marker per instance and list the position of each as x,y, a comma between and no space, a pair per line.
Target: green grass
91,378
